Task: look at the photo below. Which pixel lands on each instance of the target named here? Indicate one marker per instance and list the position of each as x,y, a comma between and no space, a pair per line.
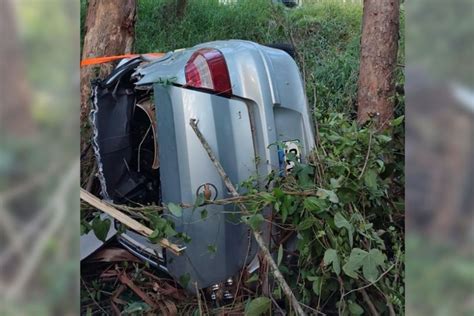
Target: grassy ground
363,172
325,33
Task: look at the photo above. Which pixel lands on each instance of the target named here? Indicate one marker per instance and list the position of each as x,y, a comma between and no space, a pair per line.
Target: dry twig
371,305
366,157
198,298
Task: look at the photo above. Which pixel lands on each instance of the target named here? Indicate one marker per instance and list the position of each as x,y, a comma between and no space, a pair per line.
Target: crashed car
249,103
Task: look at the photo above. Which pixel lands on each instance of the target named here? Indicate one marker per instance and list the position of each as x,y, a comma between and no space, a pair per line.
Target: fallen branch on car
261,243
127,220
231,200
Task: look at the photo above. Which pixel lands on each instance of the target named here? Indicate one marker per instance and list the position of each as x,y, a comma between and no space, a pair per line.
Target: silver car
250,105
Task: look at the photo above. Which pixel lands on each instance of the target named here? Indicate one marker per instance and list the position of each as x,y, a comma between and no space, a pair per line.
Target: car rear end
249,103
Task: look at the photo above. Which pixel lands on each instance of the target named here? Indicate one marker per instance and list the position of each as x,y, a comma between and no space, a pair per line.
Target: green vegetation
326,35
350,232
346,206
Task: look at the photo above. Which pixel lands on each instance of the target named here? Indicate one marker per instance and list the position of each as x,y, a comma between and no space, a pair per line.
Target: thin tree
181,8
110,30
15,110
378,56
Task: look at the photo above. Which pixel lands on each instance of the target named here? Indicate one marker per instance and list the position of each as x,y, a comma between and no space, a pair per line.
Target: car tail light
207,69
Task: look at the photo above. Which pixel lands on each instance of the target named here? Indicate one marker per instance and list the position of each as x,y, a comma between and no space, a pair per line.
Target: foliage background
440,151
39,172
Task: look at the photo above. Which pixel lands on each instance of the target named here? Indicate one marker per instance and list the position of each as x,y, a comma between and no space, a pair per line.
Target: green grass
205,20
326,35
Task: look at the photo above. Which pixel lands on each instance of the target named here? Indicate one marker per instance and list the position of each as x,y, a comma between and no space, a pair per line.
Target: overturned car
250,105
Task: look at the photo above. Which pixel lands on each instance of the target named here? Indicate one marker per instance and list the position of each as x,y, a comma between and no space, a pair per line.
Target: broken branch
127,220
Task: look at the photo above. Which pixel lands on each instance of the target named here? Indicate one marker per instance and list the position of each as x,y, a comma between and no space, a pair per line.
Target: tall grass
158,29
325,33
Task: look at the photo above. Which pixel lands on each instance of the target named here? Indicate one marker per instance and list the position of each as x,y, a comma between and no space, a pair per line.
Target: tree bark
378,56
181,8
15,111
110,30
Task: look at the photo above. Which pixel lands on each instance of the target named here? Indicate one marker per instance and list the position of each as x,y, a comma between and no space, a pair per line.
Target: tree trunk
181,8
378,56
109,31
15,111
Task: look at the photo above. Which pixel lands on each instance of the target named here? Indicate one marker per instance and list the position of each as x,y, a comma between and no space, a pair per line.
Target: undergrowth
346,206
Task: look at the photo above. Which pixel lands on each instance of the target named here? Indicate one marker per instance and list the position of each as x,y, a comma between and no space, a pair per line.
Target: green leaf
397,121
336,183
254,221
84,229
268,197
253,278
278,193
184,280
307,223
154,234
341,222
355,308
305,172
384,138
334,137
347,195
277,206
169,231
258,306
280,254
212,248
330,256
155,219
175,209
277,293
136,308
199,200
203,214
292,205
101,228
121,229
355,261
369,261
370,179
284,214
317,284
327,194
374,259
184,237
312,203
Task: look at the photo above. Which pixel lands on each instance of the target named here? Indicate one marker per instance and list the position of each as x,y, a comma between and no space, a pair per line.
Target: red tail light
207,69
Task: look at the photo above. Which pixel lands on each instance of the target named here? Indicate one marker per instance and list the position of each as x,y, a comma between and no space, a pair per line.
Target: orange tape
102,60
